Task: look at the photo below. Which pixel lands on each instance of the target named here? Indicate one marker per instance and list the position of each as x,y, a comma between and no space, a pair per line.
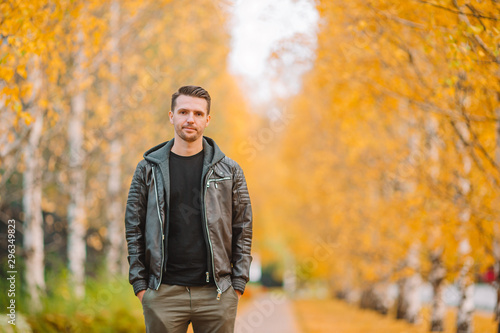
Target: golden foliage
372,161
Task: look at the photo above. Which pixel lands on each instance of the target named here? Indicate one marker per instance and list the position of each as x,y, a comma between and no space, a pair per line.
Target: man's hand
140,294
238,293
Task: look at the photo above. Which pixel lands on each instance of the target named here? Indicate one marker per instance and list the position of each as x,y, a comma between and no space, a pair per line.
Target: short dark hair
193,91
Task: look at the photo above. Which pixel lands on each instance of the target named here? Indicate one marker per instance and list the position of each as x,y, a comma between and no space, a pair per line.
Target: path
267,313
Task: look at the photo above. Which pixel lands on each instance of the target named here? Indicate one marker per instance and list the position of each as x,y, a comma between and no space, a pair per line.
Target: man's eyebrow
194,110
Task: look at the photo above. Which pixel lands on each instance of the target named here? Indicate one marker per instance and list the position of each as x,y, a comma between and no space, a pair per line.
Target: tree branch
463,18
451,10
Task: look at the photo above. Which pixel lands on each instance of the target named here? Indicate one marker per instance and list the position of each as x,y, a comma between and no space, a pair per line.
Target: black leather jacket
226,218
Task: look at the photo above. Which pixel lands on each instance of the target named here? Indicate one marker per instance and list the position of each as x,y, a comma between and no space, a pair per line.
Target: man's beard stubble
190,138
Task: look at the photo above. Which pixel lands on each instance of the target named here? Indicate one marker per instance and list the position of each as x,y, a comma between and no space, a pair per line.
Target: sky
260,28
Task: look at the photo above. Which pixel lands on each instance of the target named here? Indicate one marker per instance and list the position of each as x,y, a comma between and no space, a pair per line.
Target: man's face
189,117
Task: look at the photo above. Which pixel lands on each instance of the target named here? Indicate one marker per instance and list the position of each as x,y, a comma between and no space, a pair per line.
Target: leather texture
226,218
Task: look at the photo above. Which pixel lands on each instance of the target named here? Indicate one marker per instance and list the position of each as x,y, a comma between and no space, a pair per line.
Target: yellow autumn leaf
476,29
28,119
21,70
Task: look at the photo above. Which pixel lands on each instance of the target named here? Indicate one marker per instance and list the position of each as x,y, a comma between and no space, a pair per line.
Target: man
188,226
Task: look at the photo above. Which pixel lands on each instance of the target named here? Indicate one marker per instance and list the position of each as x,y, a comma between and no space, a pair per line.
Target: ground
314,316
273,312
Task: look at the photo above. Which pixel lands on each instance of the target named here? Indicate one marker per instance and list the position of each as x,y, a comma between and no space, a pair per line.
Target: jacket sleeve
242,231
135,219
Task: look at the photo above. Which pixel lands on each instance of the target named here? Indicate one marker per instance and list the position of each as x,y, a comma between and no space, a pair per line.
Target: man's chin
190,138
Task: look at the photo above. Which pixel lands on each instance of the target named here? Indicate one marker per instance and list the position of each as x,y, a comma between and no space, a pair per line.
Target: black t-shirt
186,249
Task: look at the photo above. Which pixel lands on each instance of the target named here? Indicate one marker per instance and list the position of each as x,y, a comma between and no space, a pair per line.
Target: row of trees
385,168
393,153
85,90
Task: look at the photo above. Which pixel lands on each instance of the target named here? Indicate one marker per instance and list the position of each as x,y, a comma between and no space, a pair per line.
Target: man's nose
190,117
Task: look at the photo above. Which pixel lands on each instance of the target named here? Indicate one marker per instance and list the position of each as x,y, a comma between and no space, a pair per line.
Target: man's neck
184,148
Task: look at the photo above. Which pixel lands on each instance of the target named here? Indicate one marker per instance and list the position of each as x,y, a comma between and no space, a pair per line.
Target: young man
188,226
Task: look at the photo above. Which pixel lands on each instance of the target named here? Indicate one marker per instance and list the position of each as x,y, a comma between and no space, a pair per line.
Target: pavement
270,312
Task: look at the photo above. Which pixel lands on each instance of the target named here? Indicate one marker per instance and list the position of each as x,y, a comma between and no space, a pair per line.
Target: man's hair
193,91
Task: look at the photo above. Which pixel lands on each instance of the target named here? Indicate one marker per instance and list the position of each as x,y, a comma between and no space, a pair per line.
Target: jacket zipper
219,292
216,180
161,228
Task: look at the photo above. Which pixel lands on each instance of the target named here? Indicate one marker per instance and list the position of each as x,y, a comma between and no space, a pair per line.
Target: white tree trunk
496,231
436,278
32,195
116,231
114,210
77,251
437,274
496,248
376,297
409,303
465,283
466,305
347,291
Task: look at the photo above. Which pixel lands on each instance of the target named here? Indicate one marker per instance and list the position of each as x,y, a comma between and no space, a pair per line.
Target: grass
314,316
109,305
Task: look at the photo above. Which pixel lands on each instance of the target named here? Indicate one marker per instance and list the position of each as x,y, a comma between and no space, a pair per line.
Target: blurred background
369,133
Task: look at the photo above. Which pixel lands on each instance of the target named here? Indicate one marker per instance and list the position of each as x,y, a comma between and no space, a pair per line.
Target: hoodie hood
160,154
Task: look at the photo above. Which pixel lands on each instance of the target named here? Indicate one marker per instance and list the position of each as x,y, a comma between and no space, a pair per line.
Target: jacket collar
160,155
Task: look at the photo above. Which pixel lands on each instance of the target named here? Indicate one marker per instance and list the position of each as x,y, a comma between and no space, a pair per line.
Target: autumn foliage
384,165
393,146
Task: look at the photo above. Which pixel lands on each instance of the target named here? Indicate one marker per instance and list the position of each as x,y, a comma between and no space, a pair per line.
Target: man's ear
208,120
171,116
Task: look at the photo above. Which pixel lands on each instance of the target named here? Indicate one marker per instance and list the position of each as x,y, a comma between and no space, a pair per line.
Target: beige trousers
171,308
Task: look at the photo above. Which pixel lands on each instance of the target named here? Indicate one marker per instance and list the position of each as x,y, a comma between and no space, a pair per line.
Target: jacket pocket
216,180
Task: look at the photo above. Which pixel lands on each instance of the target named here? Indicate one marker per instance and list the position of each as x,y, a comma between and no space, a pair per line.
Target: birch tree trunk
496,231
436,278
114,212
465,285
32,195
376,297
114,209
348,292
409,303
466,305
77,251
437,274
